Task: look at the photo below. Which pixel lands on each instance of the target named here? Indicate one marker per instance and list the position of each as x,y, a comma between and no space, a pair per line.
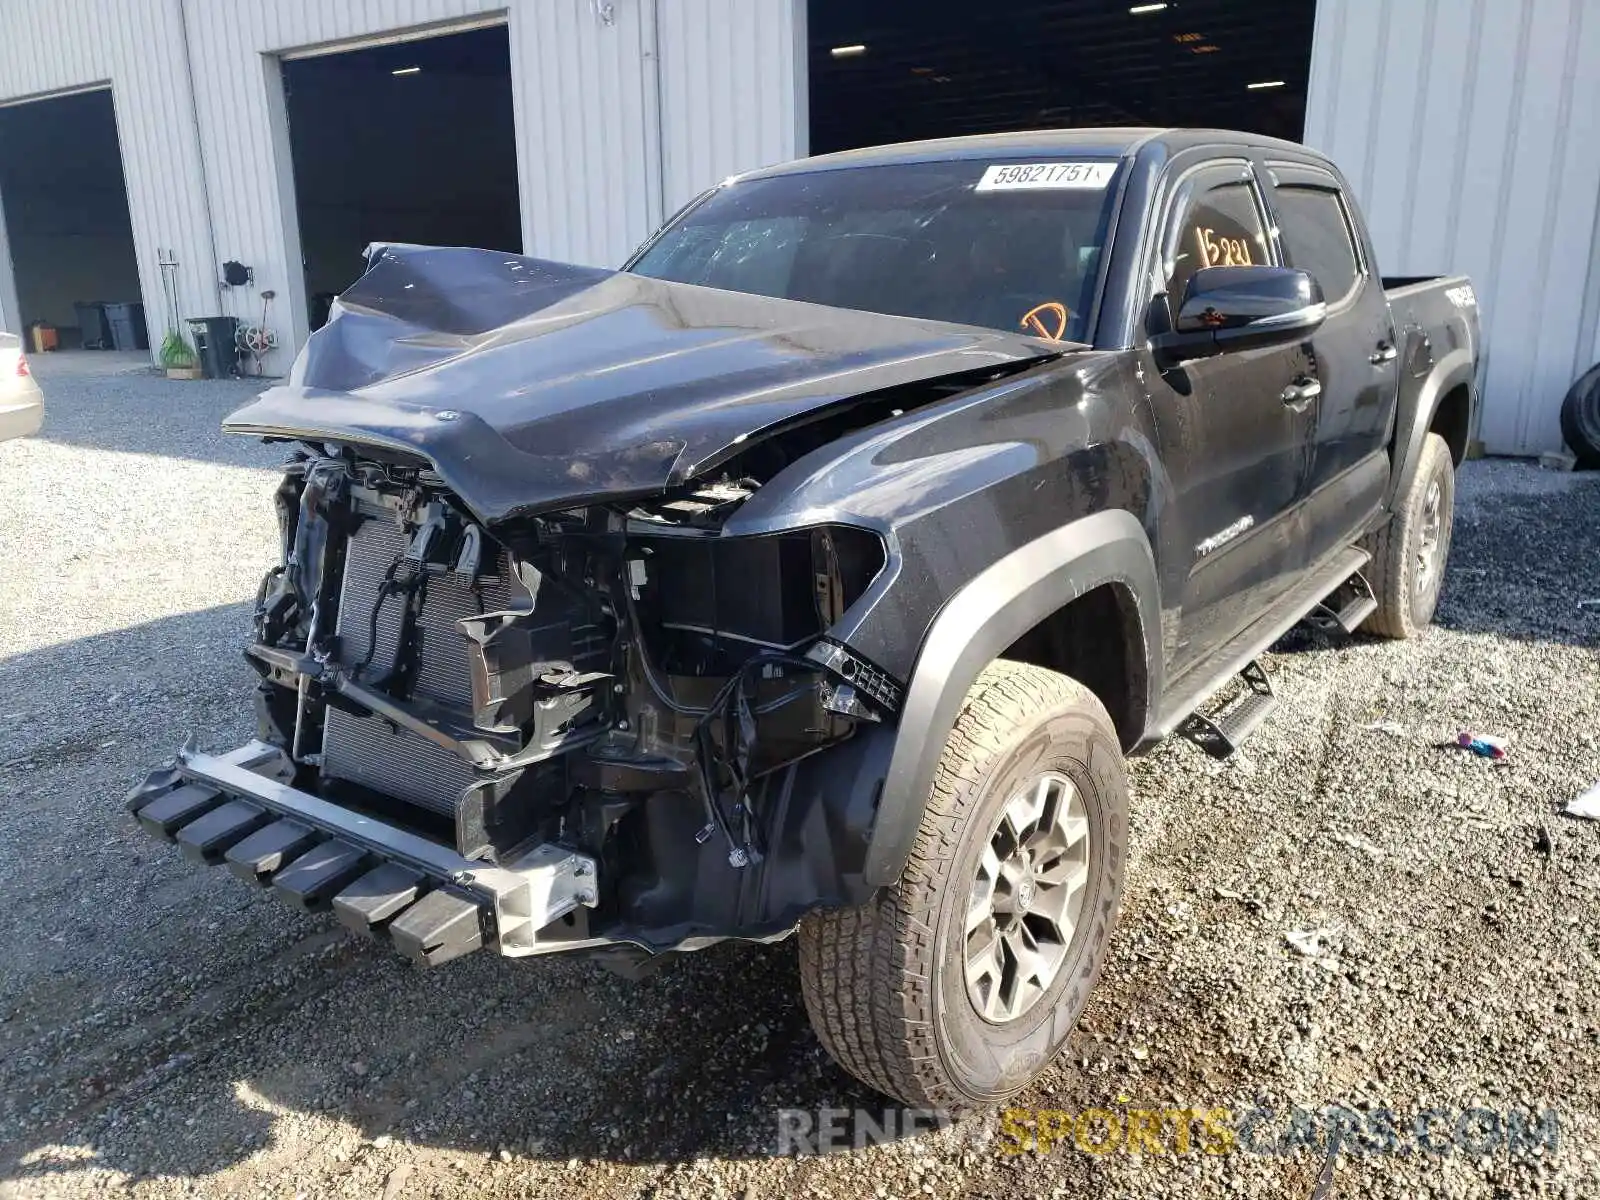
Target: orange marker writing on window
1047,320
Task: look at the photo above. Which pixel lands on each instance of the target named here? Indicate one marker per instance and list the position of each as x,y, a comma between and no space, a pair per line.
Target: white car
21,402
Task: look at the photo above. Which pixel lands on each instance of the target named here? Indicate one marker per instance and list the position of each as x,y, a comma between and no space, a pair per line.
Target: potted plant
178,357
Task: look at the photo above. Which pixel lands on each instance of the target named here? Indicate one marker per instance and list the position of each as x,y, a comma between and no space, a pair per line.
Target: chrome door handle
1385,353
1298,395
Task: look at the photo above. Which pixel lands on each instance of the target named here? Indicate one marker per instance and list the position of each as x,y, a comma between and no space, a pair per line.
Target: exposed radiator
443,673
395,762
367,750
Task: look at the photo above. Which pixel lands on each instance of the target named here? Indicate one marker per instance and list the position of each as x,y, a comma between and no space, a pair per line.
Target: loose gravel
166,1031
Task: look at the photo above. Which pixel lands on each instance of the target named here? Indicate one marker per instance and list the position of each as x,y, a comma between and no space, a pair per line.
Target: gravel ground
166,1031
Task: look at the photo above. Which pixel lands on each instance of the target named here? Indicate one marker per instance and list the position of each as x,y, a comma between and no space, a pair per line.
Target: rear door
1237,452
1354,356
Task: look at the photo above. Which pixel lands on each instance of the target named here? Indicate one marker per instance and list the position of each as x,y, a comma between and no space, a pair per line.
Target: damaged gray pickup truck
818,569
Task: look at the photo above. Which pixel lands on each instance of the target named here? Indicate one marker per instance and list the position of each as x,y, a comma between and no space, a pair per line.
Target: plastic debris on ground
1586,805
1357,843
1310,942
1392,728
1483,745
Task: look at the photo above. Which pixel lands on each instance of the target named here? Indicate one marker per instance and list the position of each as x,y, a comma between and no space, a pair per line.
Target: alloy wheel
1027,898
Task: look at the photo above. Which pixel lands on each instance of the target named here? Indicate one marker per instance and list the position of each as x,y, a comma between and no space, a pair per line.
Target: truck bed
1394,285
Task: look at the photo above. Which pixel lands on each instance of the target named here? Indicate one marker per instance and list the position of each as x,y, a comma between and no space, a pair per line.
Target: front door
1236,443
1354,352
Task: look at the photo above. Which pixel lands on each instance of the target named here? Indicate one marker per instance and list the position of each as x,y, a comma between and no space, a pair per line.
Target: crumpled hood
533,385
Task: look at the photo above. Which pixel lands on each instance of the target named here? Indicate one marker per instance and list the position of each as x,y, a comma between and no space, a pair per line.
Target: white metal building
1466,126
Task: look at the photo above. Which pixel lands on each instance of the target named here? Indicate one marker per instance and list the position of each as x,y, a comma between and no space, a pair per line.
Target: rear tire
1410,552
921,995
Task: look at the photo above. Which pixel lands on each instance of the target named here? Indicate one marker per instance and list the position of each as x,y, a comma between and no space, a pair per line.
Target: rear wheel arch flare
1451,420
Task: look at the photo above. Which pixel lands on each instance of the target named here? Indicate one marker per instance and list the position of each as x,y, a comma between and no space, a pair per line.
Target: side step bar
429,902
1222,734
1346,607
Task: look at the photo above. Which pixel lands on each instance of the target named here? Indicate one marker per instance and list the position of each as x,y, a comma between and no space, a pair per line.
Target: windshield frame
1114,200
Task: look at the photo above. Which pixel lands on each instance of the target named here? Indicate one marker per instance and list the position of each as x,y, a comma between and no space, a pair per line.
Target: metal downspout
212,268
655,159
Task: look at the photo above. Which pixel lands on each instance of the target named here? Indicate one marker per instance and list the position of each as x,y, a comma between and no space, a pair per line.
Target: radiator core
368,750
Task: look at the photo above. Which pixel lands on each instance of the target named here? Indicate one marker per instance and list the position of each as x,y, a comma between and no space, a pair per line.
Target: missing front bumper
429,902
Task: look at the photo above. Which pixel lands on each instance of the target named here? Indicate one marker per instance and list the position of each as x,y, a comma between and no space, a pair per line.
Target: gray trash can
127,326
92,324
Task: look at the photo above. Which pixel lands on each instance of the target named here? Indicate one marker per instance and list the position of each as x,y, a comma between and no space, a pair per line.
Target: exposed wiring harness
404,576
732,713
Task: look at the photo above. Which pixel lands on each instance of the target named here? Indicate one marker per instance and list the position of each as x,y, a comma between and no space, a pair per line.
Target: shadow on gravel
542,1060
174,661
1524,564
161,1018
696,1061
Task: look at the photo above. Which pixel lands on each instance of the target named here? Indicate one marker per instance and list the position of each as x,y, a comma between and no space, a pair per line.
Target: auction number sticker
1017,177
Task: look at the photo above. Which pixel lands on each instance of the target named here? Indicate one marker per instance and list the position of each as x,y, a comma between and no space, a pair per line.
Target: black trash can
93,325
214,345
127,326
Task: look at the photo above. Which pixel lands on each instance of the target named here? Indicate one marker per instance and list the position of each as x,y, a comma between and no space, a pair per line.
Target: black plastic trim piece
988,614
207,839
437,928
311,880
168,813
265,850
1453,370
377,896
882,688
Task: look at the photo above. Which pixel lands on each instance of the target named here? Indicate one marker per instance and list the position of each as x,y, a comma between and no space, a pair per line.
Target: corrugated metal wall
234,50
623,109
748,112
136,47
1468,129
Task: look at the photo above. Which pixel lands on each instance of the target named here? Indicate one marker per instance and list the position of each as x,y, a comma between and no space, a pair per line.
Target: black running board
1345,608
1187,693
1224,732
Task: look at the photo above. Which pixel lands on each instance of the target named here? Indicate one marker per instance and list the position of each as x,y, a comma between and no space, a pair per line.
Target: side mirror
1241,308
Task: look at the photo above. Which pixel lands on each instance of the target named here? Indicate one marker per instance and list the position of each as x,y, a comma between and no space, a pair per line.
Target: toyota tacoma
816,571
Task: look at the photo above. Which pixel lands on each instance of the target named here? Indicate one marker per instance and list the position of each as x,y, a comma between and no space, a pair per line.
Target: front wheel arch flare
988,614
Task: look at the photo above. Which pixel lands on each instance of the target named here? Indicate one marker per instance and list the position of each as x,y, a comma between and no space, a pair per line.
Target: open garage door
882,71
66,221
411,141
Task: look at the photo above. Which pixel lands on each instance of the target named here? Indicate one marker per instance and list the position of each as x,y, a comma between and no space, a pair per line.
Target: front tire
957,985
1409,553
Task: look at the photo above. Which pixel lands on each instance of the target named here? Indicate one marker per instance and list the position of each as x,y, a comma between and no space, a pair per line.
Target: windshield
1010,245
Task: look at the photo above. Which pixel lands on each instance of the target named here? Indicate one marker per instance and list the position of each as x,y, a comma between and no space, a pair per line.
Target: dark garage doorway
407,142
885,72
66,211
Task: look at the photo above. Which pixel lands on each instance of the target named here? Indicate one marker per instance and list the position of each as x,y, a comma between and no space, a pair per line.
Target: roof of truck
1098,142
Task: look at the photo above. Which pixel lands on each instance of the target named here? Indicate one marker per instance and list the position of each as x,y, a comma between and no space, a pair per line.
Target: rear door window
1316,237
